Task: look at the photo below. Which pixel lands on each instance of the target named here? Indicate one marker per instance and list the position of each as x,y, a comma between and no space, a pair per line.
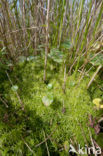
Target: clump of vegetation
51,76
62,119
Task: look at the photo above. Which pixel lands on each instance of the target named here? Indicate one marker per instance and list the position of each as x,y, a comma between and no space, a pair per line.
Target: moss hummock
65,120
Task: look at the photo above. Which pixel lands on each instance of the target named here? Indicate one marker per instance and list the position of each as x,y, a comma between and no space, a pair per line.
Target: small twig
95,55
92,141
86,73
45,139
28,147
75,60
89,69
90,59
3,101
94,75
46,144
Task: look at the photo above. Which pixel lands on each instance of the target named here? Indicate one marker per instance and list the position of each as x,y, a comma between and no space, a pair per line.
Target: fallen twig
45,139
46,144
94,75
3,101
28,147
92,141
86,73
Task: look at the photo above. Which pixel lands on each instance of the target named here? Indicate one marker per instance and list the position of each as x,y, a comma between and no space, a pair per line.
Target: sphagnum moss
71,124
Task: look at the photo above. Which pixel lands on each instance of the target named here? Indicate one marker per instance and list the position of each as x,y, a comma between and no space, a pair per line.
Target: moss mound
65,120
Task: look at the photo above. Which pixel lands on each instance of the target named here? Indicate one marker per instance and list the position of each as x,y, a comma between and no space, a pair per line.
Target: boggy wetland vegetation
51,77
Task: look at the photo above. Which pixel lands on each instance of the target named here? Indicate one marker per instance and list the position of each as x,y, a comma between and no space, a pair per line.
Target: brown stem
47,39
